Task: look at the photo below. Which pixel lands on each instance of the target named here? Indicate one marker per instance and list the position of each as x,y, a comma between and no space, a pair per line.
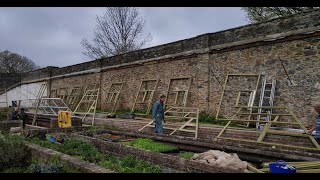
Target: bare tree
257,14
118,31
14,63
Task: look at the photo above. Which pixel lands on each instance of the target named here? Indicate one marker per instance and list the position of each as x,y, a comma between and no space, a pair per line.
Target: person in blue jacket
158,114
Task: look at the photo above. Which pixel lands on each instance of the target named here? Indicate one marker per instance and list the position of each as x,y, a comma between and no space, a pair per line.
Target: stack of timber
50,121
301,167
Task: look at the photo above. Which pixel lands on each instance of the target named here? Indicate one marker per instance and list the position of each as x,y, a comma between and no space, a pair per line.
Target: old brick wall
195,67
301,60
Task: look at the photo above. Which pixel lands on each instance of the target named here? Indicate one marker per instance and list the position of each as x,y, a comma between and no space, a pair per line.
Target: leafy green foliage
186,155
87,151
130,164
148,144
12,151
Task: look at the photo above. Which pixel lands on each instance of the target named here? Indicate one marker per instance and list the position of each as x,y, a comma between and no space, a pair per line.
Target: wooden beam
221,98
245,120
265,129
264,114
272,144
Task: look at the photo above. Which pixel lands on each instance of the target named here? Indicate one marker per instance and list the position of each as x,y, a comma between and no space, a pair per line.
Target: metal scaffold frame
145,92
177,92
114,96
181,113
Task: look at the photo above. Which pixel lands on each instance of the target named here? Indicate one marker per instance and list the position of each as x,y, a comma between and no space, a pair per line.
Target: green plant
186,155
148,144
87,151
130,164
13,153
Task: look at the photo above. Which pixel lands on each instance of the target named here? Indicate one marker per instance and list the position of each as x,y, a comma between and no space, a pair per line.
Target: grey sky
51,36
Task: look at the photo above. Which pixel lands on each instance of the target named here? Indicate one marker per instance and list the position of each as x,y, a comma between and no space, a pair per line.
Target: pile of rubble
221,159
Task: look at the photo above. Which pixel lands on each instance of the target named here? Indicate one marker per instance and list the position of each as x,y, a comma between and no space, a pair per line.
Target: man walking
158,114
23,116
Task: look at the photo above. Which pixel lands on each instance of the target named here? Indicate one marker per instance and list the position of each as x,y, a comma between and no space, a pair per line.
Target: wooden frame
113,96
184,91
74,97
188,113
252,95
145,92
64,95
267,126
89,99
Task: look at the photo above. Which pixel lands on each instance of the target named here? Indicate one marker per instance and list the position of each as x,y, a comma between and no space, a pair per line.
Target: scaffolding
145,95
113,96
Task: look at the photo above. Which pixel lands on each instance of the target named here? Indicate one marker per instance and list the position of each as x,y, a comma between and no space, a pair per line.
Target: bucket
281,167
52,139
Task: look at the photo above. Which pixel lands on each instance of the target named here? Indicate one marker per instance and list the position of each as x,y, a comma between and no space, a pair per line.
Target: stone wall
301,60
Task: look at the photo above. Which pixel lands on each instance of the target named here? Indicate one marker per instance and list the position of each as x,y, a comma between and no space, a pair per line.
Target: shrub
12,151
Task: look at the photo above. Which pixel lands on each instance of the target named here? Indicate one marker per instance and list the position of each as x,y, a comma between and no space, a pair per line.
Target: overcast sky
51,36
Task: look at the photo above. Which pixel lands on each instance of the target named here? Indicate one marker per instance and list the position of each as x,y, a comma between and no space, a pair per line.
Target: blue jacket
158,111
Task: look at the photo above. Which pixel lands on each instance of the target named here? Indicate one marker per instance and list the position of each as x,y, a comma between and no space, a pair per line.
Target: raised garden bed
88,152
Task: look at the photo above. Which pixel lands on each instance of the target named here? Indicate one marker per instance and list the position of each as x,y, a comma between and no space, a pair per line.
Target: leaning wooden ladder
88,104
191,115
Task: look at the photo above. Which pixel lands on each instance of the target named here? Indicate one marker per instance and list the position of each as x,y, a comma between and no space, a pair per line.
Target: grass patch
148,144
186,155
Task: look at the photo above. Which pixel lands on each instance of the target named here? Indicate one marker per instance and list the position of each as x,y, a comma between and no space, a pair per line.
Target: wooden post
35,114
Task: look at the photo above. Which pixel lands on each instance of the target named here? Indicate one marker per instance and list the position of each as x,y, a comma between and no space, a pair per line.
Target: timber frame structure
251,91
145,92
87,104
113,96
74,97
267,126
182,114
185,93
248,111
